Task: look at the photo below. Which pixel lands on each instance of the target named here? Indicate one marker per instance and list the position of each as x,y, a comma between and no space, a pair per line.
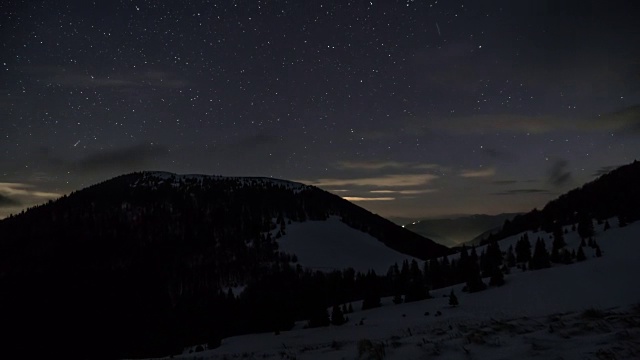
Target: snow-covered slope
587,310
333,245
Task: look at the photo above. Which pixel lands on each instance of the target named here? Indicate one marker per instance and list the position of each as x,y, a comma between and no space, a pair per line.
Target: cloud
522,192
558,174
493,153
74,78
605,170
515,123
398,180
627,119
505,182
124,159
357,198
404,192
21,189
379,165
15,195
6,201
478,173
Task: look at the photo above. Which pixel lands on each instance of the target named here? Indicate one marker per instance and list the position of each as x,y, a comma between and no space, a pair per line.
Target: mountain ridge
614,194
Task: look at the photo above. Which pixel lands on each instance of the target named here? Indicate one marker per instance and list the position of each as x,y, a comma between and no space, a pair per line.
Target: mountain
615,194
455,231
156,254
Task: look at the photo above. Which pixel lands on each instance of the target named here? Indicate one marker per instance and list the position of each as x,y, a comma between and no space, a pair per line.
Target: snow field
586,310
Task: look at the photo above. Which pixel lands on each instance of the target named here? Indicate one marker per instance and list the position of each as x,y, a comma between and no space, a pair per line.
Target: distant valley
457,230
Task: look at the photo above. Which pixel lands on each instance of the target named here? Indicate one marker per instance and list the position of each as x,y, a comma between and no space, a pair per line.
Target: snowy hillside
333,245
586,310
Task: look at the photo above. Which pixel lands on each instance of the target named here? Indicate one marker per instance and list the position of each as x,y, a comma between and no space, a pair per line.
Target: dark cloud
627,119
523,191
505,182
125,159
493,153
559,174
7,201
75,78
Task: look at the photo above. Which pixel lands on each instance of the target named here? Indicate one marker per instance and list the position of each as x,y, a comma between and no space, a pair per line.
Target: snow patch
333,245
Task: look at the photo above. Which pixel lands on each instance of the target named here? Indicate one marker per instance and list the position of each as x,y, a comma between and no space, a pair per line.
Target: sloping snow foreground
587,310
333,245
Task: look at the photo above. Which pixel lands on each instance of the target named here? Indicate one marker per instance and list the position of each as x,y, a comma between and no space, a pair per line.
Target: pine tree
555,255
426,275
580,256
394,276
416,289
319,318
523,249
397,299
511,258
472,274
459,272
435,275
414,271
598,251
485,266
540,257
585,226
371,291
350,308
622,222
445,271
497,277
337,316
606,225
453,299
464,256
473,255
558,238
404,272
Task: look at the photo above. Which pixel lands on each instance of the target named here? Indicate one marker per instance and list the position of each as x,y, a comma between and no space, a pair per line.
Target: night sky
409,108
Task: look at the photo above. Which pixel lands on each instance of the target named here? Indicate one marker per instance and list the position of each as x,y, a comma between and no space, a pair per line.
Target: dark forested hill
152,254
615,194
